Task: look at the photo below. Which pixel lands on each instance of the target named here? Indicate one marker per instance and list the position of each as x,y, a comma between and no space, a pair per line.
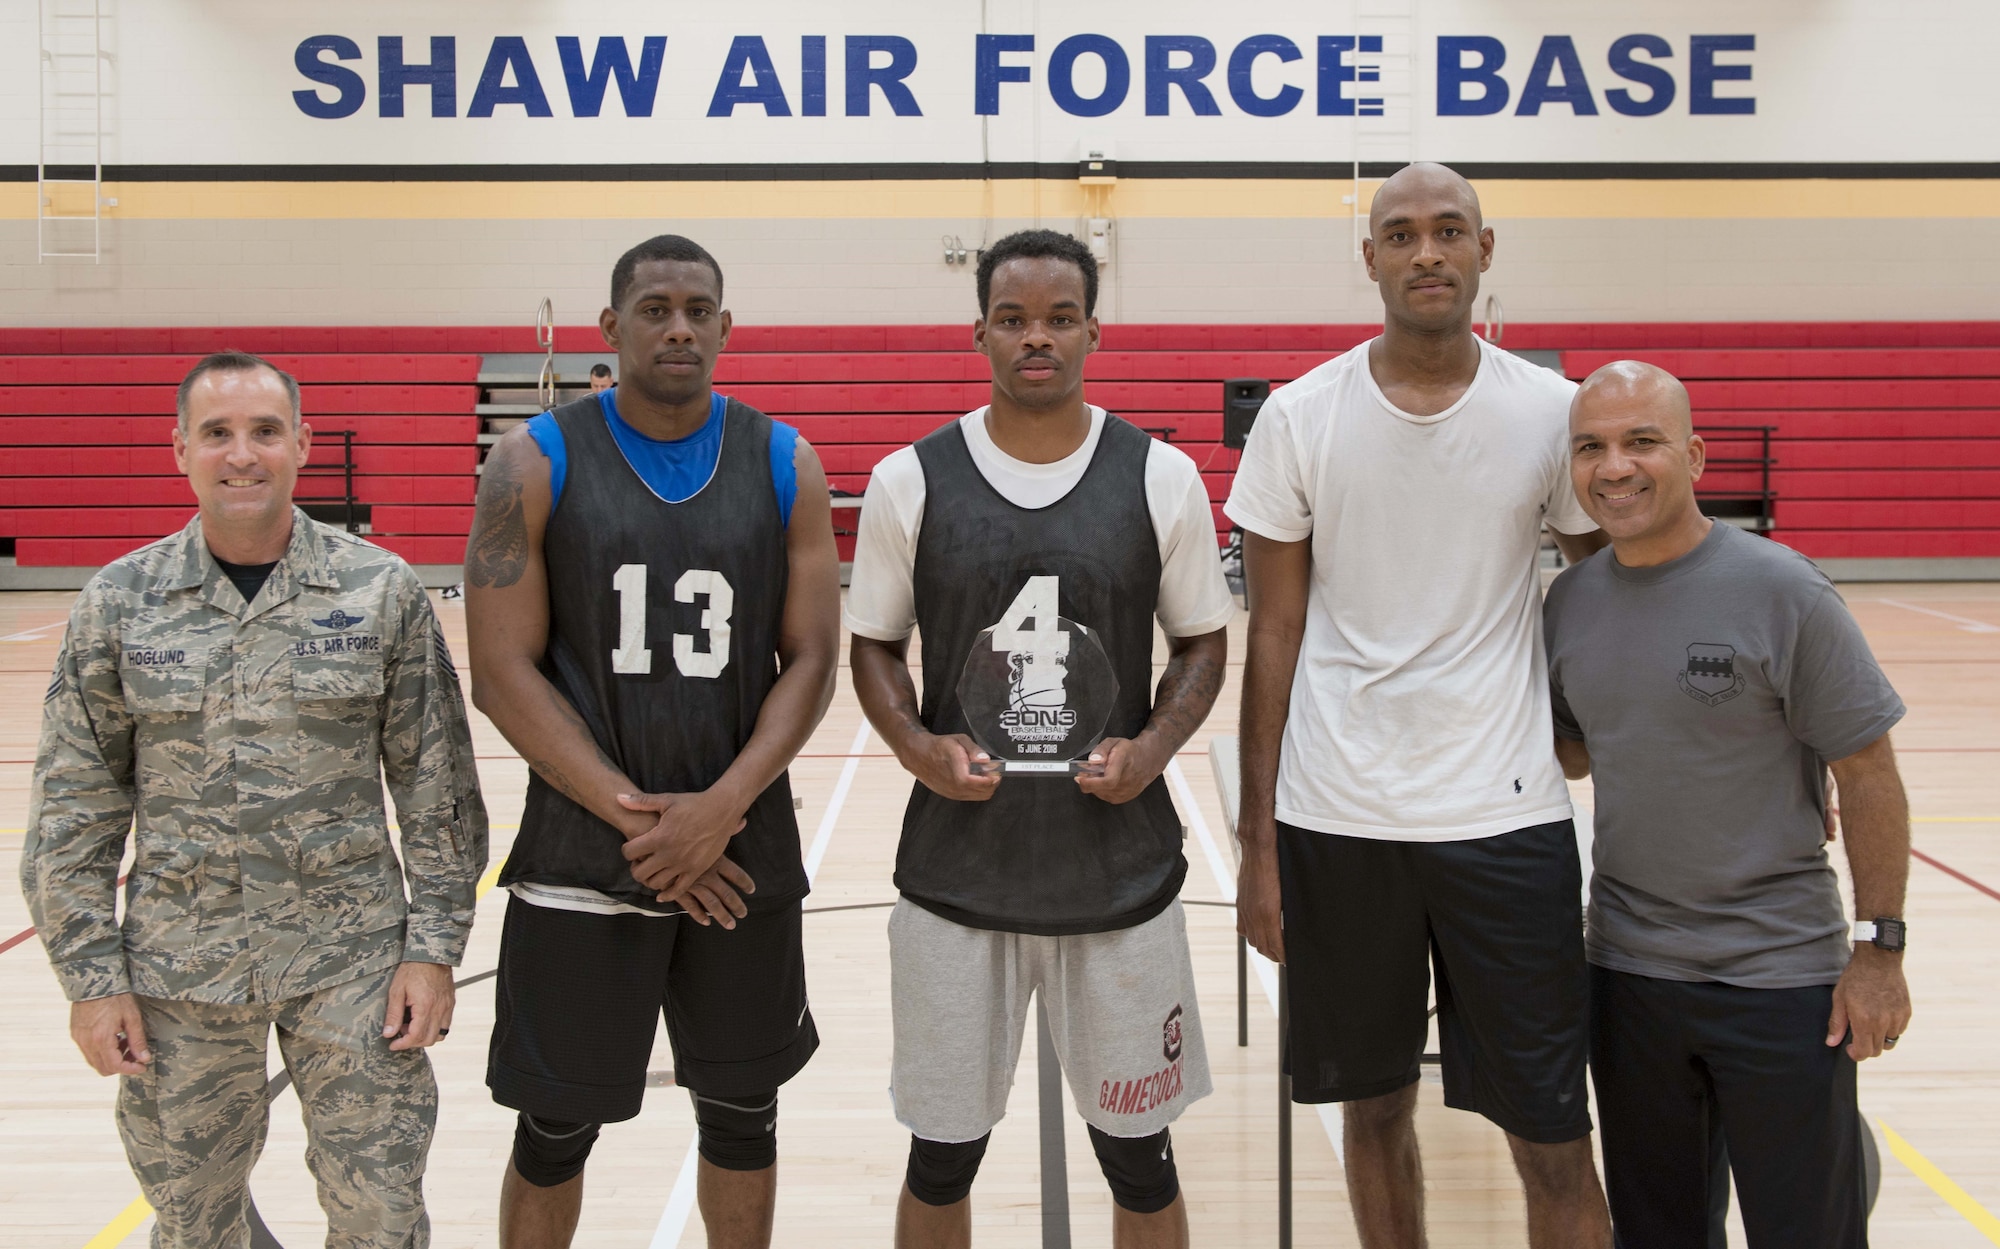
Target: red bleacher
1886,435
1887,444
87,473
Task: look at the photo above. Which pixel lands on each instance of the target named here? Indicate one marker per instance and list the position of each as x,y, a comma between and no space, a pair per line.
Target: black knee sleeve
547,1153
738,1133
941,1174
1140,1169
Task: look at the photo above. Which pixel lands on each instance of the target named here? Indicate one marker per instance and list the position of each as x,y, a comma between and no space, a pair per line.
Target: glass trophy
1037,699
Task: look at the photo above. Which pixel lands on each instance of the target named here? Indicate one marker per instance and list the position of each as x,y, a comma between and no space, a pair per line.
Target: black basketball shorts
1499,919
579,995
1680,1063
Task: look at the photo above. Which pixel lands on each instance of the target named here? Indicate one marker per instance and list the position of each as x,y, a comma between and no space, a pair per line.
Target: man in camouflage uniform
234,696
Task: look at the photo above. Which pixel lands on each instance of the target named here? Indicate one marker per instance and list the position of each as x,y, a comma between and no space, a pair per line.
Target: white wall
212,82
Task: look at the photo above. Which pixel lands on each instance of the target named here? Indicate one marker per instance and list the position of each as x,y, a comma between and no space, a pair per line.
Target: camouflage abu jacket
244,747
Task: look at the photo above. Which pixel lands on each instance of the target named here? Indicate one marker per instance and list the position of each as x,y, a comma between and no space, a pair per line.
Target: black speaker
1241,397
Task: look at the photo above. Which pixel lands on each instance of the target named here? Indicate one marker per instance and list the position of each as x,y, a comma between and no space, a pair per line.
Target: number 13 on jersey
632,657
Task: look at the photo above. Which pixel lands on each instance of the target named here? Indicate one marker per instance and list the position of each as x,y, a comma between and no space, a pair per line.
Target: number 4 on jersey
632,657
1039,601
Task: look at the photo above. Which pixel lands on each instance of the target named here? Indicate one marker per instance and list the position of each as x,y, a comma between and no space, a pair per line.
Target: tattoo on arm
497,555
548,771
552,772
575,719
1187,692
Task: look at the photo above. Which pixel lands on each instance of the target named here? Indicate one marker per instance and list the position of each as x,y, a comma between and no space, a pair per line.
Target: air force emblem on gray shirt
1710,676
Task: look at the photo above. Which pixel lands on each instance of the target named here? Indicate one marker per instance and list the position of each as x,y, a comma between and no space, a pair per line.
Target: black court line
21,937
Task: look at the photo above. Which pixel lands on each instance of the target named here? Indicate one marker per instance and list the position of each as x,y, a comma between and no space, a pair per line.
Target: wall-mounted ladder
69,164
1383,128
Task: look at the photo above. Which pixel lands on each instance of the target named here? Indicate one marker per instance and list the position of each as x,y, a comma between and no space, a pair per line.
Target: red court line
25,933
1955,873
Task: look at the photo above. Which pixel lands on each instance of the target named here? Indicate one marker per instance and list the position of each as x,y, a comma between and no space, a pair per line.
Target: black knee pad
1140,1169
941,1173
547,1153
738,1133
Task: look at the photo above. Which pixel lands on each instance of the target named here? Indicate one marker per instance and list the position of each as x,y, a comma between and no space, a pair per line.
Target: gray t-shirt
1711,691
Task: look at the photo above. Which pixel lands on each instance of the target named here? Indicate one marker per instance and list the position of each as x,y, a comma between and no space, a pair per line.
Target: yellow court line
891,198
118,1229
1954,1196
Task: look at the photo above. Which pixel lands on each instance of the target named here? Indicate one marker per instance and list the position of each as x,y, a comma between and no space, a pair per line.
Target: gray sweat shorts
1121,1008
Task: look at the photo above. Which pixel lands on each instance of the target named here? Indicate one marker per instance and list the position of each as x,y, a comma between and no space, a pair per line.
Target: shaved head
1634,460
1425,251
1424,182
1634,384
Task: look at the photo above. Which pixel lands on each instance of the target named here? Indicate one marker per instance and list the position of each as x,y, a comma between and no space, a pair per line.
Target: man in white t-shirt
1401,806
1040,507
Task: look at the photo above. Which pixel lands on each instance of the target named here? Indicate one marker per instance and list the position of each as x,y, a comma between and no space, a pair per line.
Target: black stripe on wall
960,171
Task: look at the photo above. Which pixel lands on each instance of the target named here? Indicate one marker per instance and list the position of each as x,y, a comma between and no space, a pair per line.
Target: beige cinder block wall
1185,250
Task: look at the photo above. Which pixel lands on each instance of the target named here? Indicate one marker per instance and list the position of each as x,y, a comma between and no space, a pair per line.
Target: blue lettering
1704,73
440,75
611,62
1648,75
1454,75
1243,62
747,52
812,75
352,87
1556,52
1062,75
1334,71
1162,74
509,52
988,73
863,73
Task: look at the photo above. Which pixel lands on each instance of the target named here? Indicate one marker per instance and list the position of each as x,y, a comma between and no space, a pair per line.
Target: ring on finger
1889,1042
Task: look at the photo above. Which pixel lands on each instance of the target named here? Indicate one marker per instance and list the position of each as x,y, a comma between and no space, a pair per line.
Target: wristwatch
1883,933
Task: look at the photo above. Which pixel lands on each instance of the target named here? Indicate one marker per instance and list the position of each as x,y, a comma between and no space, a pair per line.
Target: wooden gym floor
64,1182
